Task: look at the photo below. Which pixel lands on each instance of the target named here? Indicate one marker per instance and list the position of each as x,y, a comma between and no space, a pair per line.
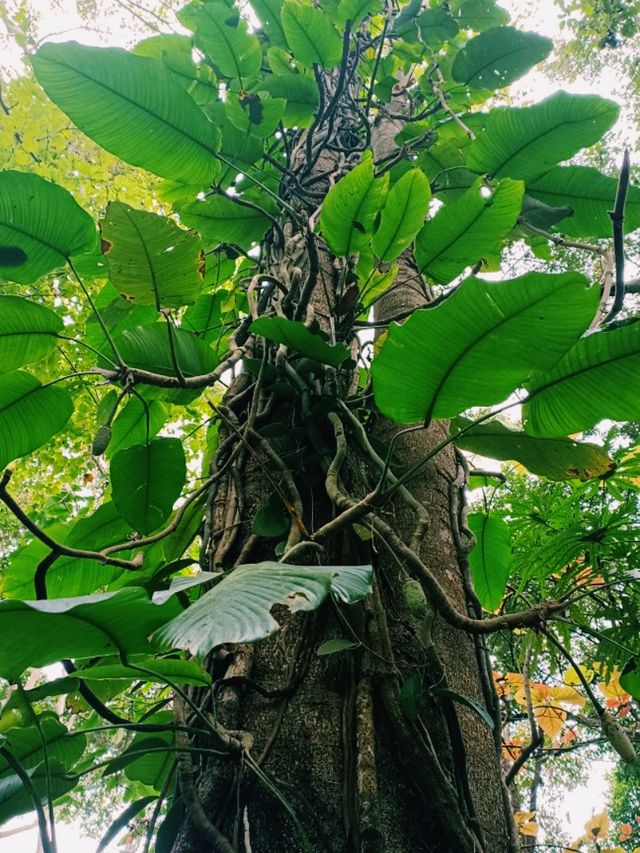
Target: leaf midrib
472,344
135,104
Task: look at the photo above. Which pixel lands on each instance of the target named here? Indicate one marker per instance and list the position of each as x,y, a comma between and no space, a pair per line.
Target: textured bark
339,749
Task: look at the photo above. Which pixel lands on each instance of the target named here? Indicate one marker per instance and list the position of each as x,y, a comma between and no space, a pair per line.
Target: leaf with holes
554,458
499,56
150,258
37,633
238,608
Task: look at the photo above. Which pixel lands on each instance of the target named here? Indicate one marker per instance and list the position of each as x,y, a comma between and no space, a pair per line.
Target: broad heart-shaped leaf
403,214
28,332
37,633
475,347
238,609
301,94
553,458
490,559
222,35
133,106
30,414
42,220
146,481
468,229
311,35
350,207
16,800
598,378
298,337
148,348
137,423
221,220
590,195
150,258
498,56
526,142
25,744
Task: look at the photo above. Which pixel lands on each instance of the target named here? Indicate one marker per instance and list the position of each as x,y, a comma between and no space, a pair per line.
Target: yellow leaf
525,825
598,826
550,719
567,694
571,678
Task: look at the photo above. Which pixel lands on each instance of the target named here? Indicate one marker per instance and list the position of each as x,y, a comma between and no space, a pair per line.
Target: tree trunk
359,751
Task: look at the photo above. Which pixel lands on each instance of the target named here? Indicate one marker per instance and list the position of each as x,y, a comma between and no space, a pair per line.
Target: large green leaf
69,575
357,10
526,142
554,458
158,670
490,560
310,34
146,481
436,26
468,229
268,11
591,196
476,347
221,220
150,258
403,215
148,348
350,207
238,609
25,744
28,332
598,378
176,52
42,220
478,15
30,414
133,106
298,337
301,94
148,758
37,633
15,799
137,423
222,34
498,56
